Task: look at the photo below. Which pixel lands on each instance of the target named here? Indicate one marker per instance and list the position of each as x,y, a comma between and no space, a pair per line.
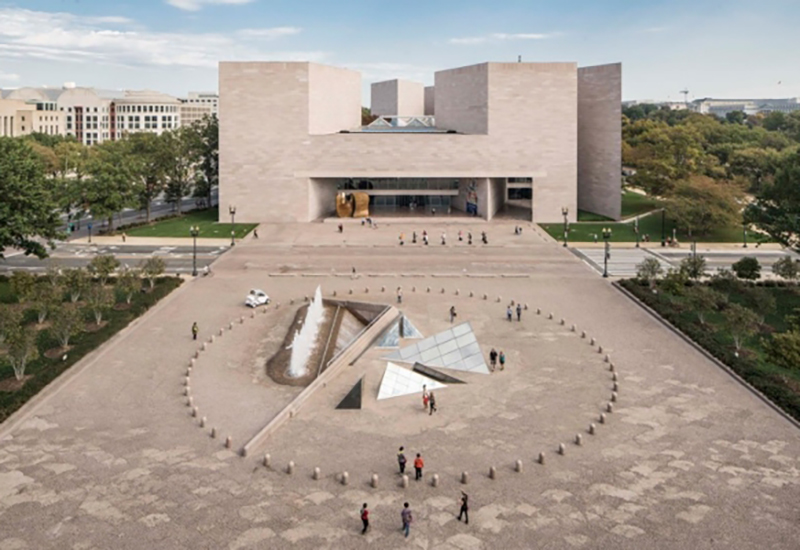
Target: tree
180,171
28,209
204,139
152,269
45,299
776,209
72,159
760,300
102,266
150,160
674,282
649,271
22,285
699,205
740,323
54,274
10,317
21,345
99,300
757,164
736,117
110,187
704,299
128,282
783,349
786,268
693,266
76,281
747,268
66,323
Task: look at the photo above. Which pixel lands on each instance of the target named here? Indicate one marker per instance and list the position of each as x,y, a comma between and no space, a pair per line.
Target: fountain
305,339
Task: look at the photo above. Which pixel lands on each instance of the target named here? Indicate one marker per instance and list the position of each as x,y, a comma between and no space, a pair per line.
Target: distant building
210,99
721,107
21,118
194,112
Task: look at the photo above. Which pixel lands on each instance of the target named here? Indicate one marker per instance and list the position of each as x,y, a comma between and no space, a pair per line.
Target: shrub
693,266
740,323
76,281
725,280
674,282
786,268
747,268
66,323
45,298
99,300
784,349
649,271
127,283
152,268
705,299
103,266
22,285
21,343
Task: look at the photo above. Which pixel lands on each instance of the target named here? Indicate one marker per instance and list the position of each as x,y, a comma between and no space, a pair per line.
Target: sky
713,48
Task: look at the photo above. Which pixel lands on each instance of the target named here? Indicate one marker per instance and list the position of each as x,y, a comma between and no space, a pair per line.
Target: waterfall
305,339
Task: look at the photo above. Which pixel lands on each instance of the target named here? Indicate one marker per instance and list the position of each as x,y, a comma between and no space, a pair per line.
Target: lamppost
194,231
744,235
565,213
607,255
663,227
232,211
89,225
636,230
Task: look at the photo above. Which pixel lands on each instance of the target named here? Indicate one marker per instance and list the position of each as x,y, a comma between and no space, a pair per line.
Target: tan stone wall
383,101
430,99
410,98
600,139
461,101
334,99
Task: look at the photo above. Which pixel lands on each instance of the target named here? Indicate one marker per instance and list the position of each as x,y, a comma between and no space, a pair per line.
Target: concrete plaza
110,456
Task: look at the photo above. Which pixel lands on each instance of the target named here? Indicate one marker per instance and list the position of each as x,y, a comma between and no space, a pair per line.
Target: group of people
494,357
510,312
428,401
419,463
443,239
406,517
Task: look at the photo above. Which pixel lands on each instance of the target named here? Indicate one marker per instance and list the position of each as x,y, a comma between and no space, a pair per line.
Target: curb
706,354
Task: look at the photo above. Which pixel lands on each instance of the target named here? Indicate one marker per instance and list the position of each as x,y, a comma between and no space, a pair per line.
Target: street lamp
636,230
744,235
663,227
232,211
565,213
194,231
607,255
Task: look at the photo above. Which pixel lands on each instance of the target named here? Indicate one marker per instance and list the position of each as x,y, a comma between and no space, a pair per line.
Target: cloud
501,37
8,77
197,5
64,37
650,30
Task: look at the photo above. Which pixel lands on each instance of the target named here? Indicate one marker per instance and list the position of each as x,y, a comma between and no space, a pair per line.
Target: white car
256,298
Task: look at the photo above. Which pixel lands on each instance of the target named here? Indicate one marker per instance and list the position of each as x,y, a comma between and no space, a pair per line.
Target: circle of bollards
404,481
541,458
464,478
316,474
518,466
290,467
435,480
374,481
579,440
592,428
561,449
492,472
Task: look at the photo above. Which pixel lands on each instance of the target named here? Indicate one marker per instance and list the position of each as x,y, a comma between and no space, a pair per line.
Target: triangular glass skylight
399,381
391,338
455,348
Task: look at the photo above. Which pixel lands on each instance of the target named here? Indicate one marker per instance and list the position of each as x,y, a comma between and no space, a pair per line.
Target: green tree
21,348
775,121
72,159
22,285
152,269
736,117
740,323
674,282
786,268
66,323
699,205
648,271
694,266
150,161
128,282
756,164
783,349
45,299
204,140
760,300
705,300
776,209
10,317
110,187
102,266
76,281
99,300
180,172
28,209
54,274
747,268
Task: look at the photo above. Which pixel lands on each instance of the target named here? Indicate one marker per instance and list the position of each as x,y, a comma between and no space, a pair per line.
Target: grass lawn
779,384
206,220
634,204
43,370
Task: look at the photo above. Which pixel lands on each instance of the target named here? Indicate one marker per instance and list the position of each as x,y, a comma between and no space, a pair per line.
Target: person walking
431,404
493,358
124,237
365,518
444,239
502,360
402,239
519,312
401,460
452,313
195,330
509,314
407,518
460,236
469,237
255,233
418,465
425,397
399,295
341,228
464,507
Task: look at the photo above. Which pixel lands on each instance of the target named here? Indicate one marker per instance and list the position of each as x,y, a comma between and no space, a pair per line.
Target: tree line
42,176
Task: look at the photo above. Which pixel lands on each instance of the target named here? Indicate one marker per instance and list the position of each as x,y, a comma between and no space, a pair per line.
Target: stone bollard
550,315
228,442
334,293
541,458
230,325
538,311
561,449
316,475
211,340
290,467
413,289
374,481
471,294
592,428
350,291
221,331
591,342
457,292
192,362
305,298
188,371
442,292
189,402
602,418
197,353
615,387
383,289
345,478
610,407
583,334
404,482
241,320
265,310
525,307
485,297
252,316
613,396
435,480
579,440
498,299
194,412
518,466
614,377
291,302
187,390
561,322
492,473
204,347
611,367
366,290
599,349
428,289
267,460
464,477
186,380
607,358
203,422
573,328
213,433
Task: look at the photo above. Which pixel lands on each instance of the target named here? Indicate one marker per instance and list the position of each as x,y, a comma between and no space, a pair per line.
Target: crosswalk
622,261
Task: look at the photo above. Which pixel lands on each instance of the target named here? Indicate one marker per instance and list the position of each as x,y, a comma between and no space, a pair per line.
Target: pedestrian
484,238
401,460
402,239
519,312
431,403
255,233
464,507
399,295
124,237
452,313
354,271
341,228
405,515
502,360
469,237
418,465
414,238
425,239
425,397
460,236
365,518
493,358
444,238
509,314
195,330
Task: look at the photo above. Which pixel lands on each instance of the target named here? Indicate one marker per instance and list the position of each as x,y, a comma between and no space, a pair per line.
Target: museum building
532,137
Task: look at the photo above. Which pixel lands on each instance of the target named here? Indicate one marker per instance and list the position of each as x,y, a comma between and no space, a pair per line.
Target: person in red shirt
365,518
418,464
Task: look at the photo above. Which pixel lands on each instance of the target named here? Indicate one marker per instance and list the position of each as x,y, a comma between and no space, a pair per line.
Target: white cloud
8,77
63,37
270,33
196,5
501,37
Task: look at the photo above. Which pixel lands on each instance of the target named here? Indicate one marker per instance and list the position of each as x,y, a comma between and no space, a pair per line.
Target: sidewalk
684,246
151,241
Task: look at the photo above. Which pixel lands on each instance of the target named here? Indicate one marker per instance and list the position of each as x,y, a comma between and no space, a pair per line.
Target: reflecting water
305,339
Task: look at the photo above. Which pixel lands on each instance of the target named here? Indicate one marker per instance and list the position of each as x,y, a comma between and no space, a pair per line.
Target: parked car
256,298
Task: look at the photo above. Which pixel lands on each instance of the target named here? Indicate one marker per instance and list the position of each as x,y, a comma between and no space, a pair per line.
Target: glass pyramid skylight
456,348
399,381
391,338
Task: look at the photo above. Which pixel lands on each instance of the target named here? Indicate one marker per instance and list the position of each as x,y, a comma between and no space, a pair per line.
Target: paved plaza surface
110,456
